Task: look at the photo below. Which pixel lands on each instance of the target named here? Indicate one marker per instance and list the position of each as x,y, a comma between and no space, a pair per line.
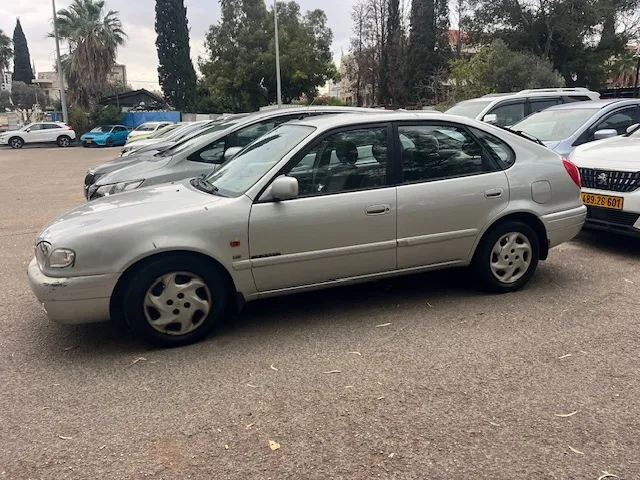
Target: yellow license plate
604,201
88,140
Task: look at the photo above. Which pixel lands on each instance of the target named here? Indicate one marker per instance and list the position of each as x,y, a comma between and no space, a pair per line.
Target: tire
109,142
524,256
159,284
16,142
64,141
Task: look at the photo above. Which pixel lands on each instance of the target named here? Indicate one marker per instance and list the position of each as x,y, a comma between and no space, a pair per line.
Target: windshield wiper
522,134
201,183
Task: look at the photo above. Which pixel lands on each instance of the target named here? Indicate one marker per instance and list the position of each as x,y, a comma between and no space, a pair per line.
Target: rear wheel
507,257
64,141
174,301
16,142
109,142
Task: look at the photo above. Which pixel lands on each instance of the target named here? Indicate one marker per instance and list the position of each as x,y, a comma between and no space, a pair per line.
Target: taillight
573,171
69,127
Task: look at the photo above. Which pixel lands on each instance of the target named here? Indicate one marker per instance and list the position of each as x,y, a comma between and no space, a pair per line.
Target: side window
248,134
576,98
542,104
120,129
499,150
212,153
35,126
439,152
342,162
509,114
619,121
50,126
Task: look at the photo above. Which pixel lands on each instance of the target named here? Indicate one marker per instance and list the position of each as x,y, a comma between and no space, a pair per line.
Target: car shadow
610,242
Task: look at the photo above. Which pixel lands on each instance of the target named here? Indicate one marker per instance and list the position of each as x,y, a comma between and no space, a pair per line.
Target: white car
610,174
145,130
40,132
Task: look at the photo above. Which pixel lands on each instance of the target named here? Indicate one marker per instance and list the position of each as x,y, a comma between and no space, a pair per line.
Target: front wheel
507,257
109,142
64,141
174,301
16,142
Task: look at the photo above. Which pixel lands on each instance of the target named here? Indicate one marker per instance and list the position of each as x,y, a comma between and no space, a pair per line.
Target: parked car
39,132
105,135
146,129
565,127
199,154
610,174
168,134
314,203
505,109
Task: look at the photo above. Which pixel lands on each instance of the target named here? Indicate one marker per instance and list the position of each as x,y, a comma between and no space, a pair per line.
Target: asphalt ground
539,384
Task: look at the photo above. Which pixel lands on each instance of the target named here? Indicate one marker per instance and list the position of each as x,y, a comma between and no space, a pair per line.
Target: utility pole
63,94
278,84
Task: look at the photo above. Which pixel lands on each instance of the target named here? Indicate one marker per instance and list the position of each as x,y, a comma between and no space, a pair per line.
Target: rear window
469,108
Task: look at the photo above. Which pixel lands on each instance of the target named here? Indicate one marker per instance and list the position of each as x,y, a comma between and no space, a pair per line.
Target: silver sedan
314,203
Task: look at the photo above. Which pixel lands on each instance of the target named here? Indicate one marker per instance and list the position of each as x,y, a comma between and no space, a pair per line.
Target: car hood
133,171
615,153
94,134
120,162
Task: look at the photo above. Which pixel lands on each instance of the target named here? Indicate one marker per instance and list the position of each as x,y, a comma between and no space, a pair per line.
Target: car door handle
493,193
377,209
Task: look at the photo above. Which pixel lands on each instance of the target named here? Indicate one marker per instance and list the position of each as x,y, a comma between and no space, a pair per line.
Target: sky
138,16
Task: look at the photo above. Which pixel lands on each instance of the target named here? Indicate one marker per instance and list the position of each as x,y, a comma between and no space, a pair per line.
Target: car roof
331,121
595,104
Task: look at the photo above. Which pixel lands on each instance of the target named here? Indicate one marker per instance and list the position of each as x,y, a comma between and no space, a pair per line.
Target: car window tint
576,98
50,126
248,134
619,121
212,153
120,129
509,114
343,162
499,150
539,105
35,126
441,151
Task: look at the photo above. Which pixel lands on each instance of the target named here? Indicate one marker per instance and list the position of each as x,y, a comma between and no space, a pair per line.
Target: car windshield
189,142
102,129
145,127
237,175
183,131
164,131
469,108
554,125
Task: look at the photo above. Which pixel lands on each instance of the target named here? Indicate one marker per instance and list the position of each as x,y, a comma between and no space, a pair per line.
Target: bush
79,120
109,115
331,101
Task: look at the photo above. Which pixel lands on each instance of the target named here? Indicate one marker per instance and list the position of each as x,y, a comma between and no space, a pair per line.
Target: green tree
25,95
6,52
392,65
22,71
5,100
93,37
175,72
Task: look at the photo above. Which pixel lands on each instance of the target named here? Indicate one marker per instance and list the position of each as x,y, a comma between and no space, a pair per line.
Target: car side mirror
632,128
28,130
284,188
231,152
605,133
491,118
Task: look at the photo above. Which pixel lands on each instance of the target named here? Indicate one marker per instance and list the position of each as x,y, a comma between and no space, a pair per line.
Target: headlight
59,258
106,190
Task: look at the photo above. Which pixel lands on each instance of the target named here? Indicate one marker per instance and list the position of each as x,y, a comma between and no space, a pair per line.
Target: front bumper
93,141
625,221
73,300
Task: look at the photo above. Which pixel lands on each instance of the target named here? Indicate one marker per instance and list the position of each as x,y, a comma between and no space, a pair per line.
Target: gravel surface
458,385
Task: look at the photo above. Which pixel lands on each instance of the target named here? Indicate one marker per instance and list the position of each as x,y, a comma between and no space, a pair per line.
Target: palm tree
93,38
6,52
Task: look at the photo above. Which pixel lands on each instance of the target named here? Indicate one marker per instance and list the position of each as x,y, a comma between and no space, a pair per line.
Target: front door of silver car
342,223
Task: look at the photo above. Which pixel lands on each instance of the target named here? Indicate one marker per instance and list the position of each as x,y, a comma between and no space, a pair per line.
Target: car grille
613,180
612,216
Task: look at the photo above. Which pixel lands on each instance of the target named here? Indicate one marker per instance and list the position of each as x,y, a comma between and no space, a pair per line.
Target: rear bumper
563,226
73,300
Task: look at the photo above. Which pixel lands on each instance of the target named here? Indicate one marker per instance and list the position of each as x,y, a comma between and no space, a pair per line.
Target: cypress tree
176,74
22,71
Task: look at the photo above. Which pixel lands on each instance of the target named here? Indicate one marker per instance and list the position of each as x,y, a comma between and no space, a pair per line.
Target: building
118,75
5,80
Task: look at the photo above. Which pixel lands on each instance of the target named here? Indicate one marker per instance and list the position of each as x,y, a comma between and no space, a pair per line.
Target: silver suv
505,109
314,203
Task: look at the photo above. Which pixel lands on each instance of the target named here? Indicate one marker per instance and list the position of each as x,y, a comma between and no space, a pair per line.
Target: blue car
106,135
564,127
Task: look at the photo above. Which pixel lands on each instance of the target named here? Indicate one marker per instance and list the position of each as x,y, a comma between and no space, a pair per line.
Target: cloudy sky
138,19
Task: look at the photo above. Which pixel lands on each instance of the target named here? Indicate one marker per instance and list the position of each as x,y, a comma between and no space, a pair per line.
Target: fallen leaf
356,353
219,430
273,368
383,325
348,386
226,447
139,359
333,371
249,426
564,356
66,349
430,306
565,415
102,447
380,398
495,424
575,451
606,474
64,438
45,408
391,455
274,445
252,386
627,280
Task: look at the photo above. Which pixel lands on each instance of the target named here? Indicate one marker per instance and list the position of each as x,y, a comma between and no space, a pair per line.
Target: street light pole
278,84
63,94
